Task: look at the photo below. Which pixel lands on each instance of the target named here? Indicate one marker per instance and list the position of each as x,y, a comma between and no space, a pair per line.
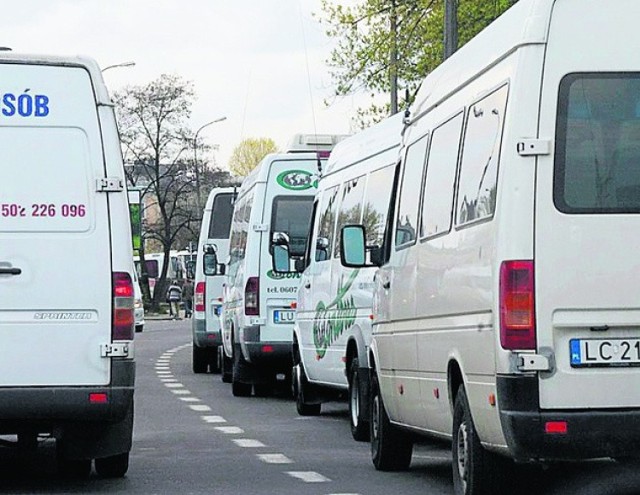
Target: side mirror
322,249
281,258
353,248
210,263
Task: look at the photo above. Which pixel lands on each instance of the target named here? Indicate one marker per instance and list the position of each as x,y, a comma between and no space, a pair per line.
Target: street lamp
123,64
195,158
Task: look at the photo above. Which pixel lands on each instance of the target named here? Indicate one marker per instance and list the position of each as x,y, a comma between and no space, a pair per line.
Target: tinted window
480,155
407,219
597,155
376,207
292,215
441,175
350,207
221,215
327,222
152,268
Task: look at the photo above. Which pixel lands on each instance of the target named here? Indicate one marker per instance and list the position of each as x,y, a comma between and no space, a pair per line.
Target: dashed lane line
213,419
248,443
200,408
275,459
230,430
308,476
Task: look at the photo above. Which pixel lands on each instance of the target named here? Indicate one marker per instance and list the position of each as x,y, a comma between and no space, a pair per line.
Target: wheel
212,359
139,328
226,366
359,425
391,448
115,466
475,470
199,359
238,388
300,387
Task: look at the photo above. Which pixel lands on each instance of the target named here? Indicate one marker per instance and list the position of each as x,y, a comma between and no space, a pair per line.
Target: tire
199,359
139,328
300,387
391,448
476,471
238,388
212,359
359,425
115,466
226,366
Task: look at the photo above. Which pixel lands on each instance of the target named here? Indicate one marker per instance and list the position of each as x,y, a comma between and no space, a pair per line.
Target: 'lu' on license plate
284,316
604,352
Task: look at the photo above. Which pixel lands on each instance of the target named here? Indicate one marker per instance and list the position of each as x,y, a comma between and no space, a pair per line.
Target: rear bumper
273,355
590,433
202,338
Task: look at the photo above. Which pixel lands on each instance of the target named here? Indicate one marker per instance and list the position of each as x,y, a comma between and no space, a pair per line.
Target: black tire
199,359
300,388
115,466
139,328
391,448
226,366
238,388
212,359
359,424
476,471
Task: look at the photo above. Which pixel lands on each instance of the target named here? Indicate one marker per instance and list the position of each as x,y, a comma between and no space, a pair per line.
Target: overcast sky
260,63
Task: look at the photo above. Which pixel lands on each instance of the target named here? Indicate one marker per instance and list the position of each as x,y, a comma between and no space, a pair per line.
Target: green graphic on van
297,180
331,321
281,276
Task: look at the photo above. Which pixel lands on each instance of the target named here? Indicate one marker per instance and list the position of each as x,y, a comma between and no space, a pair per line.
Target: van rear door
588,211
55,262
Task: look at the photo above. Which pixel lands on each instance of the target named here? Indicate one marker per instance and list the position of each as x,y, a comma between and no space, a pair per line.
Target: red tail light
251,297
517,305
198,296
123,301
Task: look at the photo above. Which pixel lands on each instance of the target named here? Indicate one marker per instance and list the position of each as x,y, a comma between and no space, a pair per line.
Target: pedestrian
187,296
174,296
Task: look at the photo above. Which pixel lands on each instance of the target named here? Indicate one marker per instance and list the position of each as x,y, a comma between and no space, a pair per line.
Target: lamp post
195,158
123,64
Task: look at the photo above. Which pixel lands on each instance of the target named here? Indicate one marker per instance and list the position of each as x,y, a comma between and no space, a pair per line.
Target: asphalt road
193,437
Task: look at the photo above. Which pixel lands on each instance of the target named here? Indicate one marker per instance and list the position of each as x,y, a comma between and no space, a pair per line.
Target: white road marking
248,443
214,419
308,476
189,399
200,408
174,385
163,372
229,430
168,380
275,458
181,391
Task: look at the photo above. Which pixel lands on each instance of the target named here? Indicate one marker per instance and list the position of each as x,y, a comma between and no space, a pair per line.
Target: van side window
292,215
480,156
376,206
308,252
442,165
324,240
350,207
407,218
597,153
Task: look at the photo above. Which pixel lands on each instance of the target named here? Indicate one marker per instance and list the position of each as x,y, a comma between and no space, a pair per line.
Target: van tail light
251,297
123,302
198,296
517,305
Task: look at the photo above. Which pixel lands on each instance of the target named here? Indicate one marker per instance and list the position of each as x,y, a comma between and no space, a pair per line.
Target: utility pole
393,58
450,27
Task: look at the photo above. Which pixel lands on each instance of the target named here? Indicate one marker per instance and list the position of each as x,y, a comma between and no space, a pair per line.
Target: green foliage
365,41
247,155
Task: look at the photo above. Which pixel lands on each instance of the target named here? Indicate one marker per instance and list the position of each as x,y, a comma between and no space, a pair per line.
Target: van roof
313,142
85,62
214,192
379,137
525,23
261,172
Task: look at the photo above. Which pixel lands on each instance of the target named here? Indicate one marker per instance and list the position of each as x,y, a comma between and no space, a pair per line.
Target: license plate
604,352
284,316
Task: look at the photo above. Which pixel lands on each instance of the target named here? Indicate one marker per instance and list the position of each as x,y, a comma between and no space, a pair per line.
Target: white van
332,330
176,270
207,299
507,305
66,270
274,202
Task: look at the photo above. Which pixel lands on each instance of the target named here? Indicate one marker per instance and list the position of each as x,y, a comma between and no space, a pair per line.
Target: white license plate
604,352
284,316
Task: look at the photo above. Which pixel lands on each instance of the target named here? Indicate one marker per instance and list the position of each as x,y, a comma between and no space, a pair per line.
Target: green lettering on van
281,276
331,321
297,180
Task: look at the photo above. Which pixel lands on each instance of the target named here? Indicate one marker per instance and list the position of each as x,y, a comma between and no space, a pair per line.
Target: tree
157,147
247,155
389,46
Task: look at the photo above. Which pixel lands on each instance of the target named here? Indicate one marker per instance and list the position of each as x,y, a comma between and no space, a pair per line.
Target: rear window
597,155
292,215
221,215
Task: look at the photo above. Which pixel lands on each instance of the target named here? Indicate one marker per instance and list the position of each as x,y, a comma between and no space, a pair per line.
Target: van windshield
597,156
292,215
221,214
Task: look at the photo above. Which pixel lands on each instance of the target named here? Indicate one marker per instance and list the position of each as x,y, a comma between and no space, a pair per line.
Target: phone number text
42,210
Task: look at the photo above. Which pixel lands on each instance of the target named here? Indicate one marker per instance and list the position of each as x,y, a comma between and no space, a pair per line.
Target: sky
259,63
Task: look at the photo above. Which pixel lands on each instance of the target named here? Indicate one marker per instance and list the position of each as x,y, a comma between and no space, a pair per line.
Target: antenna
306,58
407,112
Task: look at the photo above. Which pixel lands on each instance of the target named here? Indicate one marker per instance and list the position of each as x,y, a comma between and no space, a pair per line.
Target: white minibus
332,330
66,272
207,298
273,205
507,303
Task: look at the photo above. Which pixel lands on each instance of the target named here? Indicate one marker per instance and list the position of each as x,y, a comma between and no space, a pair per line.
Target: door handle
386,285
10,271
307,285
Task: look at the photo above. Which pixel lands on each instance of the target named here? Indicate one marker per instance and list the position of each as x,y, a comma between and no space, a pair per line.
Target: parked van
207,300
332,329
66,270
176,270
507,303
273,206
